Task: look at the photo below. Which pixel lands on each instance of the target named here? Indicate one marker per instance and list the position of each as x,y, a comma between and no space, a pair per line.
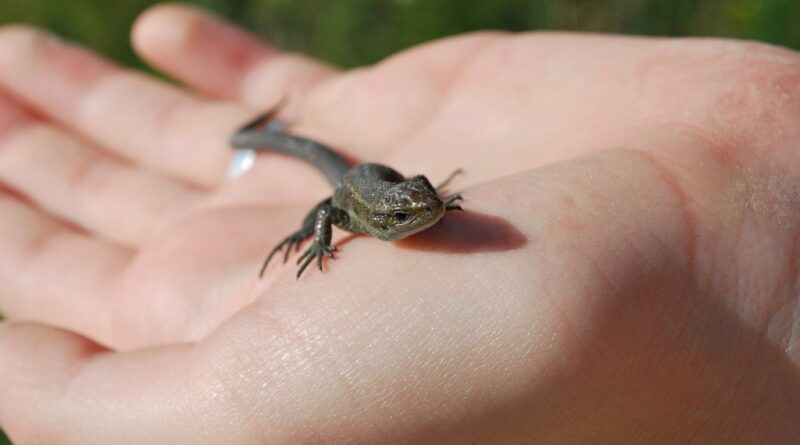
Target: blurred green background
355,32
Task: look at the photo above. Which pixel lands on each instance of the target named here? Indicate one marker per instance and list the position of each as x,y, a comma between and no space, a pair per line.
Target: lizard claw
292,240
450,202
316,250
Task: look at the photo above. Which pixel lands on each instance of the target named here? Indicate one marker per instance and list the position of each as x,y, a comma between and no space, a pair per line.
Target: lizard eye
400,216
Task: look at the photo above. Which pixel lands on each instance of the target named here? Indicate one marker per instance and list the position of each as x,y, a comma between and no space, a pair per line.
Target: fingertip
197,47
45,72
18,32
35,360
28,348
215,56
21,44
161,28
58,387
17,39
32,352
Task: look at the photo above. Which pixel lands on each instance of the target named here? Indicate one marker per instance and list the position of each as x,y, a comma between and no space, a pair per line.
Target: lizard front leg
450,202
294,240
327,215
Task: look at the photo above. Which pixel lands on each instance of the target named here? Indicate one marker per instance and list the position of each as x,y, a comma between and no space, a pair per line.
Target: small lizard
368,198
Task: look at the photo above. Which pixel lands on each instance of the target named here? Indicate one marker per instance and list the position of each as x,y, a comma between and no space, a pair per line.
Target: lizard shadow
467,232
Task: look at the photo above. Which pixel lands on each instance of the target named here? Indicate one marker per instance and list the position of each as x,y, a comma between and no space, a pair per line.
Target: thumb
59,388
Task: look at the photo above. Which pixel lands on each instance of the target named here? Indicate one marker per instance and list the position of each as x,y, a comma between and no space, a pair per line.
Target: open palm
626,268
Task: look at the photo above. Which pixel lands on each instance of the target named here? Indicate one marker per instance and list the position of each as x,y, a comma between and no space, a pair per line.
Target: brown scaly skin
368,198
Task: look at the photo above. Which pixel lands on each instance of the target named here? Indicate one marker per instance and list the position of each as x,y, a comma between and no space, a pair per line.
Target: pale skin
643,289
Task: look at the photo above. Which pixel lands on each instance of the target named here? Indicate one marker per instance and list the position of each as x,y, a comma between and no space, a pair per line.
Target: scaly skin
368,198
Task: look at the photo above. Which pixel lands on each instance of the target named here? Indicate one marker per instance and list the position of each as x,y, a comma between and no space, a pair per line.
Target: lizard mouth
428,222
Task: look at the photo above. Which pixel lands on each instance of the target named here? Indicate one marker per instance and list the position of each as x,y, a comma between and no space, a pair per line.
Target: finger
83,185
53,274
60,388
133,115
220,59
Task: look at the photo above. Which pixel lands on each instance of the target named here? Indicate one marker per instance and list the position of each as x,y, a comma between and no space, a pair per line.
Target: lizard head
406,208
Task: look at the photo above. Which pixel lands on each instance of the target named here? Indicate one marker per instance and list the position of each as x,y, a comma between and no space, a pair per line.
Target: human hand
636,284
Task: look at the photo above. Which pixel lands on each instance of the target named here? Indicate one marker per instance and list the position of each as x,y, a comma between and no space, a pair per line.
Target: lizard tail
272,137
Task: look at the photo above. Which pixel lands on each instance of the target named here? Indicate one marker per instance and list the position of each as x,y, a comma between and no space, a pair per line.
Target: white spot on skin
242,161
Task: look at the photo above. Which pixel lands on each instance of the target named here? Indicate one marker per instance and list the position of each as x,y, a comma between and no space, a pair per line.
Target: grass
355,32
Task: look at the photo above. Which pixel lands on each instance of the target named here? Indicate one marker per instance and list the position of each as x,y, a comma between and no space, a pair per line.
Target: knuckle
746,91
767,74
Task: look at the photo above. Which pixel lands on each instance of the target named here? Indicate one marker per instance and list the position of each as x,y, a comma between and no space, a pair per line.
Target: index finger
220,59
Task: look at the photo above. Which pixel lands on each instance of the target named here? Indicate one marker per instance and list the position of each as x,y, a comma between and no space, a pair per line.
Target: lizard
367,198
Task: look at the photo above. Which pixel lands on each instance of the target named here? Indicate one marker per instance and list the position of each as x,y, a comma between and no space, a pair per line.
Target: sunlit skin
639,284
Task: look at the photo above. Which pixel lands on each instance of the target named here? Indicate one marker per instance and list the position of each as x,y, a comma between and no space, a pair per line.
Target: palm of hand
652,183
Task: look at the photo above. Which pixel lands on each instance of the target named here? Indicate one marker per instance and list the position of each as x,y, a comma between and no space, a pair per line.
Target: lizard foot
316,250
292,240
450,202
